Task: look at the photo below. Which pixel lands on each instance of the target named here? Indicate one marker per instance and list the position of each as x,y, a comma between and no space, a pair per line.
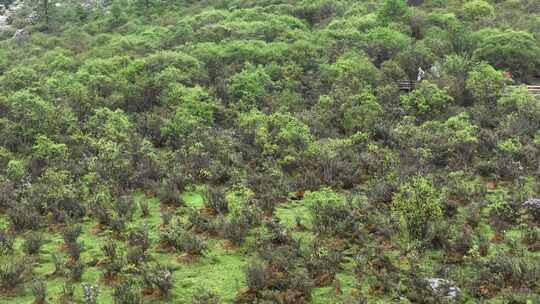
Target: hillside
269,151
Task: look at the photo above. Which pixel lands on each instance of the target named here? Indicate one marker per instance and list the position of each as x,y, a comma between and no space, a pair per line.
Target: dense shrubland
263,152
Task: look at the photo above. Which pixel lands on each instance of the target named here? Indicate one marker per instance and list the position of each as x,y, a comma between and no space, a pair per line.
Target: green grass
221,270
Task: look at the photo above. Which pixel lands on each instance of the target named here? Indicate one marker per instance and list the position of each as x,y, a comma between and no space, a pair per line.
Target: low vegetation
269,151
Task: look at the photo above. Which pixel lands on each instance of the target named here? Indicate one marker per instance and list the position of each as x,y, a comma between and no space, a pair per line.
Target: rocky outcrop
7,14
442,288
532,207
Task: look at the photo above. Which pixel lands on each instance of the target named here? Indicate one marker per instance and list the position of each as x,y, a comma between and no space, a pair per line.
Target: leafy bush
145,209
109,249
71,233
136,256
39,291
486,84
216,201
169,192
74,250
127,293
235,229
419,202
76,270
323,263
160,277
139,236
203,296
12,273
502,209
202,221
478,9
330,212
23,216
255,277
32,243
7,240
427,101
515,51
166,217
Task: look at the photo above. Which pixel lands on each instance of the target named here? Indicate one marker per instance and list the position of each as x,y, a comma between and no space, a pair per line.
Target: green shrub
76,270
180,239
127,293
426,101
145,209
478,9
323,263
12,273
160,277
140,236
23,216
204,296
39,291
32,243
74,250
419,203
330,212
235,229
7,240
216,201
71,233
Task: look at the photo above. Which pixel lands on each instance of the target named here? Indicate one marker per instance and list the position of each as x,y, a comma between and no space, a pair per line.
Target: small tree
393,11
486,84
515,51
418,202
477,10
426,101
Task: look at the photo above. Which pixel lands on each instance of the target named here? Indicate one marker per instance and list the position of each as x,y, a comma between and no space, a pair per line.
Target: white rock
443,288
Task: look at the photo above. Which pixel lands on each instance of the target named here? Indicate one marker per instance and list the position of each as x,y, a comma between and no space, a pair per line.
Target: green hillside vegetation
269,151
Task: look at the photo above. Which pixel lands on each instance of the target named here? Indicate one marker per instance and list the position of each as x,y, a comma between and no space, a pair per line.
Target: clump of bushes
202,221
531,238
71,233
7,240
140,236
127,293
170,191
158,277
216,201
12,273
23,216
32,243
204,296
323,263
235,229
418,202
114,261
39,291
177,237
332,214
76,269
265,284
